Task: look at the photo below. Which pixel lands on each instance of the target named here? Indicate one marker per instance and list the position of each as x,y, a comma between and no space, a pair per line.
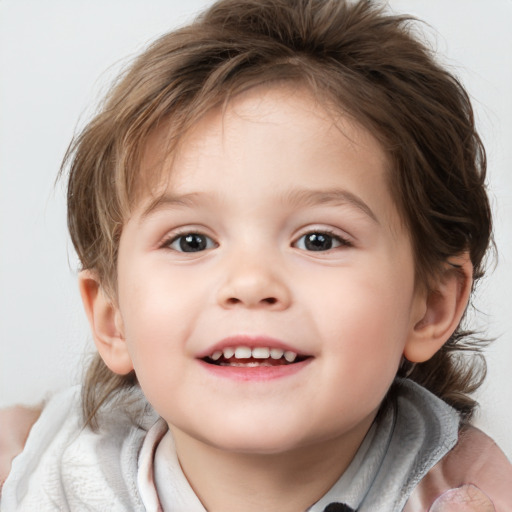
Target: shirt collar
411,435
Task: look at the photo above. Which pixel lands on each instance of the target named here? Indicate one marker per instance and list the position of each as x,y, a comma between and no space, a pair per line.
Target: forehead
278,126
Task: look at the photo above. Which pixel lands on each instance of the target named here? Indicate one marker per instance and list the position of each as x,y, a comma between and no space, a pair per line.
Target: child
280,214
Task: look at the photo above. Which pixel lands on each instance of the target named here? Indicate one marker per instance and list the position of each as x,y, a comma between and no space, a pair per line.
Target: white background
56,60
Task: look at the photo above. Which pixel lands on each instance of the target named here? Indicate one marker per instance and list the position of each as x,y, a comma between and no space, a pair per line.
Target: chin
254,447
266,439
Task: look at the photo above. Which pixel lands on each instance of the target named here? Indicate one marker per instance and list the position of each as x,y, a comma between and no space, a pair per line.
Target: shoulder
475,473
37,465
67,464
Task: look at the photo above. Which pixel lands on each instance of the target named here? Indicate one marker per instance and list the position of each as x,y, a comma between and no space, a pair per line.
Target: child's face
277,230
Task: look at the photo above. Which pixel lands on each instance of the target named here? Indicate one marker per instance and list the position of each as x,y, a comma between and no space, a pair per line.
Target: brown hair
362,60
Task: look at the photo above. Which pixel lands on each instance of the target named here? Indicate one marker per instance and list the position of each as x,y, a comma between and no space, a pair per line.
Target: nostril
233,301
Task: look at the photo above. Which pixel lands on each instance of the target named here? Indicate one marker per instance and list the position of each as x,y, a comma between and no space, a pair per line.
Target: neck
291,481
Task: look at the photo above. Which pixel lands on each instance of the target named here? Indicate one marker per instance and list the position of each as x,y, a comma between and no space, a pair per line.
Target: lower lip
255,373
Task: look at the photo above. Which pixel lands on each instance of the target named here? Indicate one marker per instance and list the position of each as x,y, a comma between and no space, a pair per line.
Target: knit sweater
414,458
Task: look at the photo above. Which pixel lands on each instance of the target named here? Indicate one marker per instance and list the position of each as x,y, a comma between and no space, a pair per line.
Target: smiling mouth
246,357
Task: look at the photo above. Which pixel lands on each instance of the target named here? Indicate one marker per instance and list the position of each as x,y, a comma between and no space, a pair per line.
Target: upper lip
250,341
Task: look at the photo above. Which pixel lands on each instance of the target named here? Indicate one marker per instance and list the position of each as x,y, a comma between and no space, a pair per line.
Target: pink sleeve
475,476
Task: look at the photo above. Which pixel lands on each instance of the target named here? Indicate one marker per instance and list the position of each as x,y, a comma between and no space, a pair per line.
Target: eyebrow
335,197
169,201
299,198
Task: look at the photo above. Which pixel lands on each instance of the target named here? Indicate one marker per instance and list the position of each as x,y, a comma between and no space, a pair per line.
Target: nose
254,283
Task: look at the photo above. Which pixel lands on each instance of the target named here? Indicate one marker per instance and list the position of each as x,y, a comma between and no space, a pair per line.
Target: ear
106,323
443,307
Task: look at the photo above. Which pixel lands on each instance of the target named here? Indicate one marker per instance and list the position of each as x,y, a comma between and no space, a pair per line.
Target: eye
320,241
191,242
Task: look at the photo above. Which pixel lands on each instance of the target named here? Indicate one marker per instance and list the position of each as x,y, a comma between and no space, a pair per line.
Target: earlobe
106,324
443,308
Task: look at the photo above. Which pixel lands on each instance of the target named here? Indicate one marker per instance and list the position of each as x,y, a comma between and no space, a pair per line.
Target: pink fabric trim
475,476
467,498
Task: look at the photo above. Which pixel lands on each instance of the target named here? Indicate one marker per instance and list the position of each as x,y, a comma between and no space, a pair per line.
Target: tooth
228,352
276,353
248,364
290,356
260,353
216,355
243,353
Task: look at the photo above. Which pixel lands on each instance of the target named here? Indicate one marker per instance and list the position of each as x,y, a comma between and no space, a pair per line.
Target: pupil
318,242
192,243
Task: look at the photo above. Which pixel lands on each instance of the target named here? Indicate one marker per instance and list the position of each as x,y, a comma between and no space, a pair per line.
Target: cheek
360,306
364,324
154,295
154,333
154,317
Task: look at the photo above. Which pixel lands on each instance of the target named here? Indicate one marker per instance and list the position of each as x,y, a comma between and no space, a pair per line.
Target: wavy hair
362,60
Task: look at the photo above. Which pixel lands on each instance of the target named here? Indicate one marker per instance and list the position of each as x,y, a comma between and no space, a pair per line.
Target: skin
254,181
15,425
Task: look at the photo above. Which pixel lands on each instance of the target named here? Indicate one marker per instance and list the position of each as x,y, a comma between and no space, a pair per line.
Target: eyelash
319,237
341,241
177,237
